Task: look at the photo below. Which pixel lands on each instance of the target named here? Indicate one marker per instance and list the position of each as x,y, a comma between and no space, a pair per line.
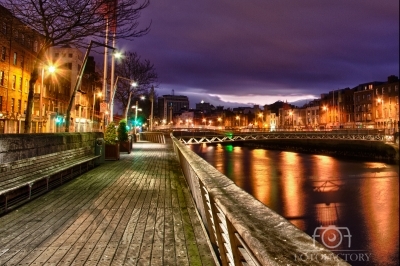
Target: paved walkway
135,211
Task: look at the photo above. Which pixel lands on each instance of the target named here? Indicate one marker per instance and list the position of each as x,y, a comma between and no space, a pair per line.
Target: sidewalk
135,211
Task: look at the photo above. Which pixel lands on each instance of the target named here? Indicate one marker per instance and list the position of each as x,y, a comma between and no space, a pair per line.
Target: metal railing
241,229
211,137
156,137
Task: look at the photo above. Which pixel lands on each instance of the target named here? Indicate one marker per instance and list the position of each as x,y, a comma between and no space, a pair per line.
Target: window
15,34
26,86
1,103
14,81
70,55
19,106
2,78
3,53
15,59
20,84
12,104
22,61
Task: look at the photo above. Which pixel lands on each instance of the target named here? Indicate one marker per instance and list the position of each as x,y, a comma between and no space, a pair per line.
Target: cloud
233,49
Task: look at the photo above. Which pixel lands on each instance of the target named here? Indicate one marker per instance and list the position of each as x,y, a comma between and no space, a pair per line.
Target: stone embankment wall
14,147
347,148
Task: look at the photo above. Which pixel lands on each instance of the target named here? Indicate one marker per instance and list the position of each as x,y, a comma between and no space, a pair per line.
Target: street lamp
79,81
50,69
136,111
133,84
219,121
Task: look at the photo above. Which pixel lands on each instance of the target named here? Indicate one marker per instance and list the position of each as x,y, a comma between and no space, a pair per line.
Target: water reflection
316,191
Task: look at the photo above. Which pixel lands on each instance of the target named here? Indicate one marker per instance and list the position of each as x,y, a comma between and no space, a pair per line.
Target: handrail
332,135
241,229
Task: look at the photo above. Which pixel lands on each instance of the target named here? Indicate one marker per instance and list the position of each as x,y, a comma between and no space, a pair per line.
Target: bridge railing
241,229
209,137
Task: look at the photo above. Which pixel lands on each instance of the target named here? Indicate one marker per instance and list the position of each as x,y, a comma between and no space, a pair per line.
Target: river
350,206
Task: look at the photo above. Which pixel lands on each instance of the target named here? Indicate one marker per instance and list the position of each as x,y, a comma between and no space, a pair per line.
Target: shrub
122,131
110,136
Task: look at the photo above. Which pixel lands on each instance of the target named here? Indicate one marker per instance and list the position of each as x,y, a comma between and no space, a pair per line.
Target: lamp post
112,94
79,81
151,111
51,69
136,111
99,94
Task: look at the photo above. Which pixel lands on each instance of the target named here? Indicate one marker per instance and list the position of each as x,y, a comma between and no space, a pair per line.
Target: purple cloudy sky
236,52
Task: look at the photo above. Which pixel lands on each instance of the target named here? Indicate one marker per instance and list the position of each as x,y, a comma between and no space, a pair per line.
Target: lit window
12,104
2,77
15,59
14,81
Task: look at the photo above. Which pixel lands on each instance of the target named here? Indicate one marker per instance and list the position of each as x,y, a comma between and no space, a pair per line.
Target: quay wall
241,228
362,149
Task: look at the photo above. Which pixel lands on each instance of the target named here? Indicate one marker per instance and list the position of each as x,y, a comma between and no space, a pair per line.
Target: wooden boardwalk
135,211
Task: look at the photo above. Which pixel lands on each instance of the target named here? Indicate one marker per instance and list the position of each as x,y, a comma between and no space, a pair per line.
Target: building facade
18,47
168,105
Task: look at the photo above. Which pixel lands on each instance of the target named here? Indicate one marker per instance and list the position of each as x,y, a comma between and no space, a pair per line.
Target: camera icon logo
332,236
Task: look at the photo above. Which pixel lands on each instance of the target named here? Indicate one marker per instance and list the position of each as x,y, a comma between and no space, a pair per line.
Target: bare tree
75,22
140,71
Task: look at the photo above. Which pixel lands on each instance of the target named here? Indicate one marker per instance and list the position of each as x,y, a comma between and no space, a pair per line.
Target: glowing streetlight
50,69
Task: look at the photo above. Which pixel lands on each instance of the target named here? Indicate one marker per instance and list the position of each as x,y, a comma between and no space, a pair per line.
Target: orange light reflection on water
260,177
382,222
292,194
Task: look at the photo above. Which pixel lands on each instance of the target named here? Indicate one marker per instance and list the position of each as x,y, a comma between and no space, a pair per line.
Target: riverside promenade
134,211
